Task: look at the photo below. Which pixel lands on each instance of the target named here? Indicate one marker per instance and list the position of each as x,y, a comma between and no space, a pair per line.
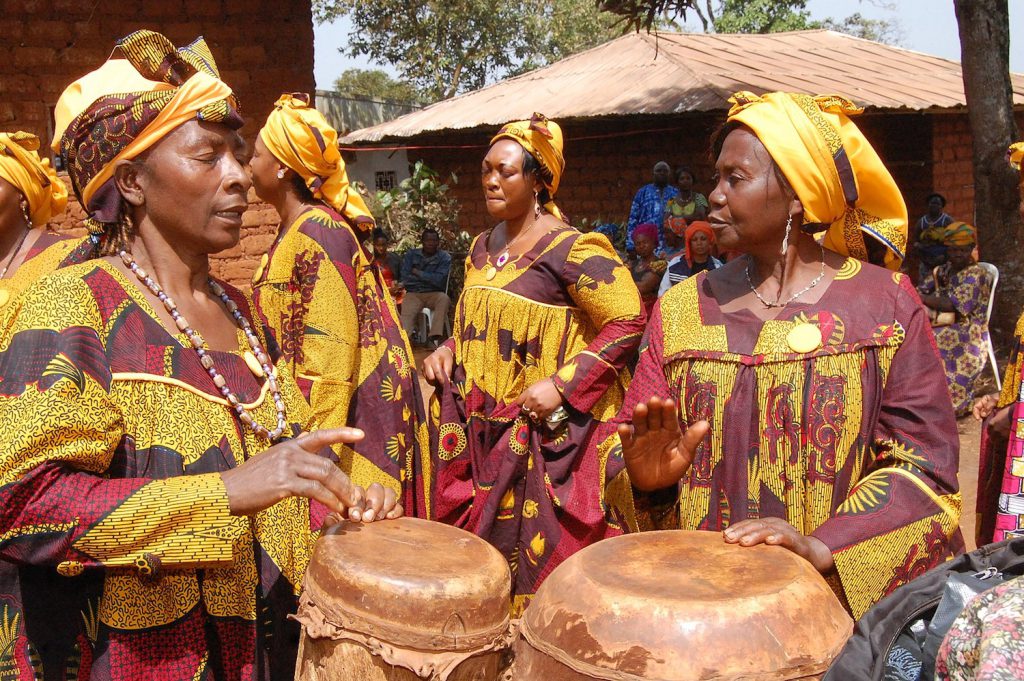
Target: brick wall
263,48
952,172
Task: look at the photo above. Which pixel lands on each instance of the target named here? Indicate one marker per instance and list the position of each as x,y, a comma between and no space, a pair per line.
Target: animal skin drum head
681,606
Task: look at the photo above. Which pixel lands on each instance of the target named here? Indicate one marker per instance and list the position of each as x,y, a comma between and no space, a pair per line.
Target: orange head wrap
697,227
32,176
543,139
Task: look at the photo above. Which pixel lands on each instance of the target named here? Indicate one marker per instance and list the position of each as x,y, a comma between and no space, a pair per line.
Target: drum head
680,605
419,579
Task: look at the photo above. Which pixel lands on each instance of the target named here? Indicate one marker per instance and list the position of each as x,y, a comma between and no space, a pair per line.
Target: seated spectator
675,239
388,264
956,295
425,279
647,269
696,256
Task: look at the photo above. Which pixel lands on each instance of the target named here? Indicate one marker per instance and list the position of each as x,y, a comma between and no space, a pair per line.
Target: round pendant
252,363
491,272
502,259
804,338
5,296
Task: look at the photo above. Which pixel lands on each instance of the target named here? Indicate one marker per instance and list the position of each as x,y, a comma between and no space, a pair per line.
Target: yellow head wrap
1015,155
301,138
32,176
959,234
543,139
127,105
835,172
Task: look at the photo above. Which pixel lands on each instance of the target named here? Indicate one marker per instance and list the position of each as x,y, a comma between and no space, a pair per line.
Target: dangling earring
536,207
785,239
28,216
280,174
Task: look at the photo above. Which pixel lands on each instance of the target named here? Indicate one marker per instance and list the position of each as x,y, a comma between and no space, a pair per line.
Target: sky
928,26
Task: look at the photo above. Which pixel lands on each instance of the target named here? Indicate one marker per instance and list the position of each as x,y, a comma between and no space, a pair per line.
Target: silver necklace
805,289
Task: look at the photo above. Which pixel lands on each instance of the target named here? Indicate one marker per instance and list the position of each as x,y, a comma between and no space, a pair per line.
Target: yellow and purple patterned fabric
846,442
342,342
566,310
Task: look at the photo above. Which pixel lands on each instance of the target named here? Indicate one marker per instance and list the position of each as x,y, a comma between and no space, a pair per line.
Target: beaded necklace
262,361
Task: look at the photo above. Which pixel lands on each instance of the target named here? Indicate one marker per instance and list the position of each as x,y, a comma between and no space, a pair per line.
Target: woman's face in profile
748,206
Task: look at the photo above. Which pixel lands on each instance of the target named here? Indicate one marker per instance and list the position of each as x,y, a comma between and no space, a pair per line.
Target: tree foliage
443,48
375,84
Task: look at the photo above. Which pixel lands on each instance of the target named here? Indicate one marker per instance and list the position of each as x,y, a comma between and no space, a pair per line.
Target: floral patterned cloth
986,642
962,344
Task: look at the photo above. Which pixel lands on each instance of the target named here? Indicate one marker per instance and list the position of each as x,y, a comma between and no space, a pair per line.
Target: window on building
385,180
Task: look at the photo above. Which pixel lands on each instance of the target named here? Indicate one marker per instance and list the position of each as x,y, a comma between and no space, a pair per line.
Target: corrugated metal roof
692,72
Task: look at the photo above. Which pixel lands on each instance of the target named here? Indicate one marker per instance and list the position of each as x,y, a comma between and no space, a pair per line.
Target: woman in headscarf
544,327
696,256
648,269
795,394
956,294
689,204
327,307
156,516
1001,464
31,195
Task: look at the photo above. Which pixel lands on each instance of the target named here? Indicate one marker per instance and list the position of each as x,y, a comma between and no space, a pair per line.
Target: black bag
899,636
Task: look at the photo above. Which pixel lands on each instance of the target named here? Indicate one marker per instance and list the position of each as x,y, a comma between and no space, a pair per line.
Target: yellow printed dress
851,440
49,252
566,310
341,339
119,558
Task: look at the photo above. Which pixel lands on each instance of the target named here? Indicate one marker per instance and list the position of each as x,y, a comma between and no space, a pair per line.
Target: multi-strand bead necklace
262,361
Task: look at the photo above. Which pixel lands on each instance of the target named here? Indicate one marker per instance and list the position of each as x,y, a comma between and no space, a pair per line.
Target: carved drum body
680,606
400,600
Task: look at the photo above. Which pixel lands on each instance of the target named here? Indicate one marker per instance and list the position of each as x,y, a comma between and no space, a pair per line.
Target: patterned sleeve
902,517
62,429
602,287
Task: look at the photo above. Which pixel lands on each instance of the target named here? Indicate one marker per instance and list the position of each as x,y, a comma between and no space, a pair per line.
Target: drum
680,606
404,599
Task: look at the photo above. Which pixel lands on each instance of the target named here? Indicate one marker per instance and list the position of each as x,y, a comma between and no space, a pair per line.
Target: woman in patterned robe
811,401
961,287
327,306
153,522
545,325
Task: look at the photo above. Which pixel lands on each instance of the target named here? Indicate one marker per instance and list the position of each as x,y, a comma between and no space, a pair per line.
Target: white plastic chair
993,273
426,318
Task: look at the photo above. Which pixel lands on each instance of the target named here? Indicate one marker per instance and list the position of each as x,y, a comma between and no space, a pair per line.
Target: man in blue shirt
425,278
649,204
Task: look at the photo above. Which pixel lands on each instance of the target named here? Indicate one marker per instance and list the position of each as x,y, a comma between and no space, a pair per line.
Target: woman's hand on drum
539,400
777,532
294,469
657,453
437,367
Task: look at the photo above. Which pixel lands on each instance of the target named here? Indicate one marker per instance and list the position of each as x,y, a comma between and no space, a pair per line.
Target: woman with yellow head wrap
1001,461
154,481
326,305
545,325
956,294
31,195
807,403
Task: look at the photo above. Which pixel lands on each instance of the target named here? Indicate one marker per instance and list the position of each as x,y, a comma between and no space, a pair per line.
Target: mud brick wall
263,48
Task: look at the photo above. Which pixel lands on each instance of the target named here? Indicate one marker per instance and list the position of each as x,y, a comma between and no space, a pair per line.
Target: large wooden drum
403,599
680,606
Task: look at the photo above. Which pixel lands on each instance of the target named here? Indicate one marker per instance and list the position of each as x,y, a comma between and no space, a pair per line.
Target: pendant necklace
492,270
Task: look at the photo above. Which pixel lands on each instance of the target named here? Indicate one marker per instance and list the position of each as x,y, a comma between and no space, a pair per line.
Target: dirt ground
970,437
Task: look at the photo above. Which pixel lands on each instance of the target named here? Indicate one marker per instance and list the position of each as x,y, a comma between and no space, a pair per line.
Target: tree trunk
985,55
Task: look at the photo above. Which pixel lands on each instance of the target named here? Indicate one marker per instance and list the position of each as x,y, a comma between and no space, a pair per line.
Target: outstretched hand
777,532
656,452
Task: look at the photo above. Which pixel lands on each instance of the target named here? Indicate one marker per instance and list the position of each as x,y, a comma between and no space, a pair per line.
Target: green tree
375,84
761,16
446,47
